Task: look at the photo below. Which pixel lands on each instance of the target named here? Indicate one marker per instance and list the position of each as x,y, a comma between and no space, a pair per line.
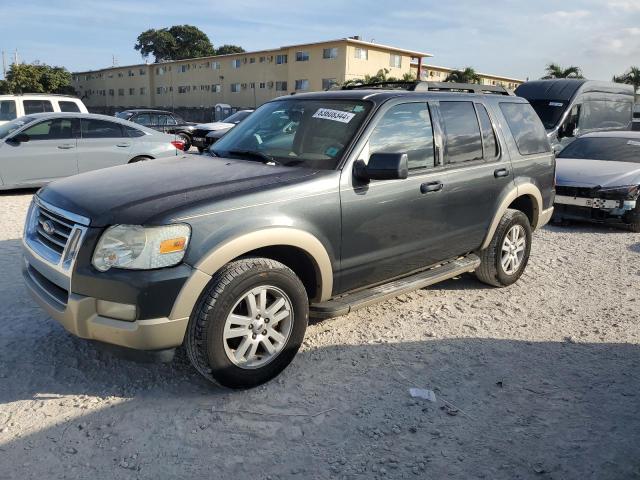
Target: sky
515,38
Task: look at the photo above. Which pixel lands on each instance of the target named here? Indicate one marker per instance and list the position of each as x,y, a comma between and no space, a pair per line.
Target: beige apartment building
251,78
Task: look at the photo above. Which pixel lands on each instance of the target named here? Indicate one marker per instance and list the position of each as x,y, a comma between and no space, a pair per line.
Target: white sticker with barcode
555,104
335,115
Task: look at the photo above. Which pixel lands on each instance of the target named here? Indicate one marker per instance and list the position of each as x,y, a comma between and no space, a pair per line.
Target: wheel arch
299,250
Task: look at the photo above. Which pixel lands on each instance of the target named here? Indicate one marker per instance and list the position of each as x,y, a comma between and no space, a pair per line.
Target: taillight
179,144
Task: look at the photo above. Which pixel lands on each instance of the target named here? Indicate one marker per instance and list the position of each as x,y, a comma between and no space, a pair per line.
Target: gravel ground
538,380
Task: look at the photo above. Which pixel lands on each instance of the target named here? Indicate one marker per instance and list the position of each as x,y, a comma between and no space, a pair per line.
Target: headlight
627,192
141,248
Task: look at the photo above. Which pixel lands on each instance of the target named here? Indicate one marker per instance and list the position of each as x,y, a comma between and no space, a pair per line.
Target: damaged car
598,179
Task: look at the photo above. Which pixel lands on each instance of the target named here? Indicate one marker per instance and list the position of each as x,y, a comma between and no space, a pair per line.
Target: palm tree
631,77
468,75
556,71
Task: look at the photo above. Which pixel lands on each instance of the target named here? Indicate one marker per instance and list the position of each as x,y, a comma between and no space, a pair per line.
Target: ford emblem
48,227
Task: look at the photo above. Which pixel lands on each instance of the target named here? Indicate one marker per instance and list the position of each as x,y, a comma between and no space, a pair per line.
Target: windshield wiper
256,155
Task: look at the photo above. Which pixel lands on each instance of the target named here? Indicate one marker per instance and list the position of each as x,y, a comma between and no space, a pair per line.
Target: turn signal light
173,245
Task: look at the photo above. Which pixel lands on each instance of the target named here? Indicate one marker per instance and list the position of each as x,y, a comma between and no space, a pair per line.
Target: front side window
405,128
10,127
92,128
526,128
489,142
605,115
37,106
7,110
55,129
462,139
146,119
68,107
307,133
616,149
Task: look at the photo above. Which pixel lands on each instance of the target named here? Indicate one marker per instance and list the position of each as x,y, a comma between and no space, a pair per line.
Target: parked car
204,134
15,106
636,119
569,108
598,179
162,121
36,149
371,194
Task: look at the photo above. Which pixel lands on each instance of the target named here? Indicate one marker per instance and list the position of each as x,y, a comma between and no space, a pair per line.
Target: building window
215,65
235,87
132,91
236,63
111,92
159,90
263,85
121,92
361,53
143,90
302,56
110,75
160,70
262,59
395,60
120,75
184,68
216,88
329,53
302,84
130,73
252,85
142,72
327,83
252,60
184,88
281,86
281,59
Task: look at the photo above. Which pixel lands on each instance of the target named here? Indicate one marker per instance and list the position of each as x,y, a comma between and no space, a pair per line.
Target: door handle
66,146
431,187
123,145
501,172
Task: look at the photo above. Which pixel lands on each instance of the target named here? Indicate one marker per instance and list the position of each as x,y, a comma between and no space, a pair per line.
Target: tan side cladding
519,191
223,254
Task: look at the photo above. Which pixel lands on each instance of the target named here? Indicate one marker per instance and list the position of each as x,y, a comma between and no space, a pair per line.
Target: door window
7,110
526,128
92,128
405,128
166,120
147,119
56,129
68,107
489,142
37,106
463,142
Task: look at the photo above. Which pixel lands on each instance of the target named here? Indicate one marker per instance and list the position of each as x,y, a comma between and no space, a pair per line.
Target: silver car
37,149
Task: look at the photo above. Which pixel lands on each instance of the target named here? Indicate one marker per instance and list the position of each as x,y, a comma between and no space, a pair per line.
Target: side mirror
383,166
18,139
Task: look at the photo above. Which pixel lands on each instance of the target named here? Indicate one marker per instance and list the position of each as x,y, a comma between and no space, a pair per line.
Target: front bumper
594,209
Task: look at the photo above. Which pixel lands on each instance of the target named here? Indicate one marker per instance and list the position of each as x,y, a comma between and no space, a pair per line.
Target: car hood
593,173
144,193
214,126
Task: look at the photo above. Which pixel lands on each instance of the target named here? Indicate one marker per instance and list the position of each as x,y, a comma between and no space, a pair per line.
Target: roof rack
432,87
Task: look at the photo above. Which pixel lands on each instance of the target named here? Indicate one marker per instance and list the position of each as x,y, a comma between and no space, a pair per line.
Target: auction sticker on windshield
335,115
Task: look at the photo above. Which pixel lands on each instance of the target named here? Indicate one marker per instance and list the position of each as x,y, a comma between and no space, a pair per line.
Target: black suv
163,121
362,195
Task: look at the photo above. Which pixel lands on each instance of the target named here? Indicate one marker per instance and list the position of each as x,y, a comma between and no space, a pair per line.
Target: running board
363,298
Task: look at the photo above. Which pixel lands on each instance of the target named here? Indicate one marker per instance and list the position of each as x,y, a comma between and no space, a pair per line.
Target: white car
15,106
37,149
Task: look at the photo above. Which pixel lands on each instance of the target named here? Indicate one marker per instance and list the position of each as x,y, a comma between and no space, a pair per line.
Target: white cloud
564,16
625,5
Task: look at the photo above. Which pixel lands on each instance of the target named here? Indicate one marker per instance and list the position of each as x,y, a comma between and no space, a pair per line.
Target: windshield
549,111
124,115
309,133
10,127
237,117
616,149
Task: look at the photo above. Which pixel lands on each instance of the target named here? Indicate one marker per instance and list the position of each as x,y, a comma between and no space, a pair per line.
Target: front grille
59,230
581,192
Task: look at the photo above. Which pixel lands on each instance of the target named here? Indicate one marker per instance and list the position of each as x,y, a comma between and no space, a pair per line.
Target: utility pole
4,65
15,57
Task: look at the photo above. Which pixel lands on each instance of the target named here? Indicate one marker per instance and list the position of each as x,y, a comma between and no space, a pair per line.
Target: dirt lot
538,380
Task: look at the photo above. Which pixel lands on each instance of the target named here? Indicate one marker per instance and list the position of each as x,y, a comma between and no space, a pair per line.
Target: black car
163,121
205,134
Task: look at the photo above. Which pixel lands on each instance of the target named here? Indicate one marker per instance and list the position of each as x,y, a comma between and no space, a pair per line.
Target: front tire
248,324
506,257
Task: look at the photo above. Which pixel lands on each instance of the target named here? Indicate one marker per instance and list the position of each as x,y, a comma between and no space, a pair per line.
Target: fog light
119,311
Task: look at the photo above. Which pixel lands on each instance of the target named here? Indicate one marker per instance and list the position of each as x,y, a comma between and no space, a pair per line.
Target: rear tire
238,336
187,141
506,257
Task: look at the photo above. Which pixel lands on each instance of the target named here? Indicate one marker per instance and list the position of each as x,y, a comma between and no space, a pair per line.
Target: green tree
630,77
228,49
468,75
37,78
556,71
174,43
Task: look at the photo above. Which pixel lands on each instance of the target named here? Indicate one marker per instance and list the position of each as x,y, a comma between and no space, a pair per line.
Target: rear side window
406,129
463,142
133,132
7,110
92,128
146,119
489,142
56,129
526,128
69,107
37,106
